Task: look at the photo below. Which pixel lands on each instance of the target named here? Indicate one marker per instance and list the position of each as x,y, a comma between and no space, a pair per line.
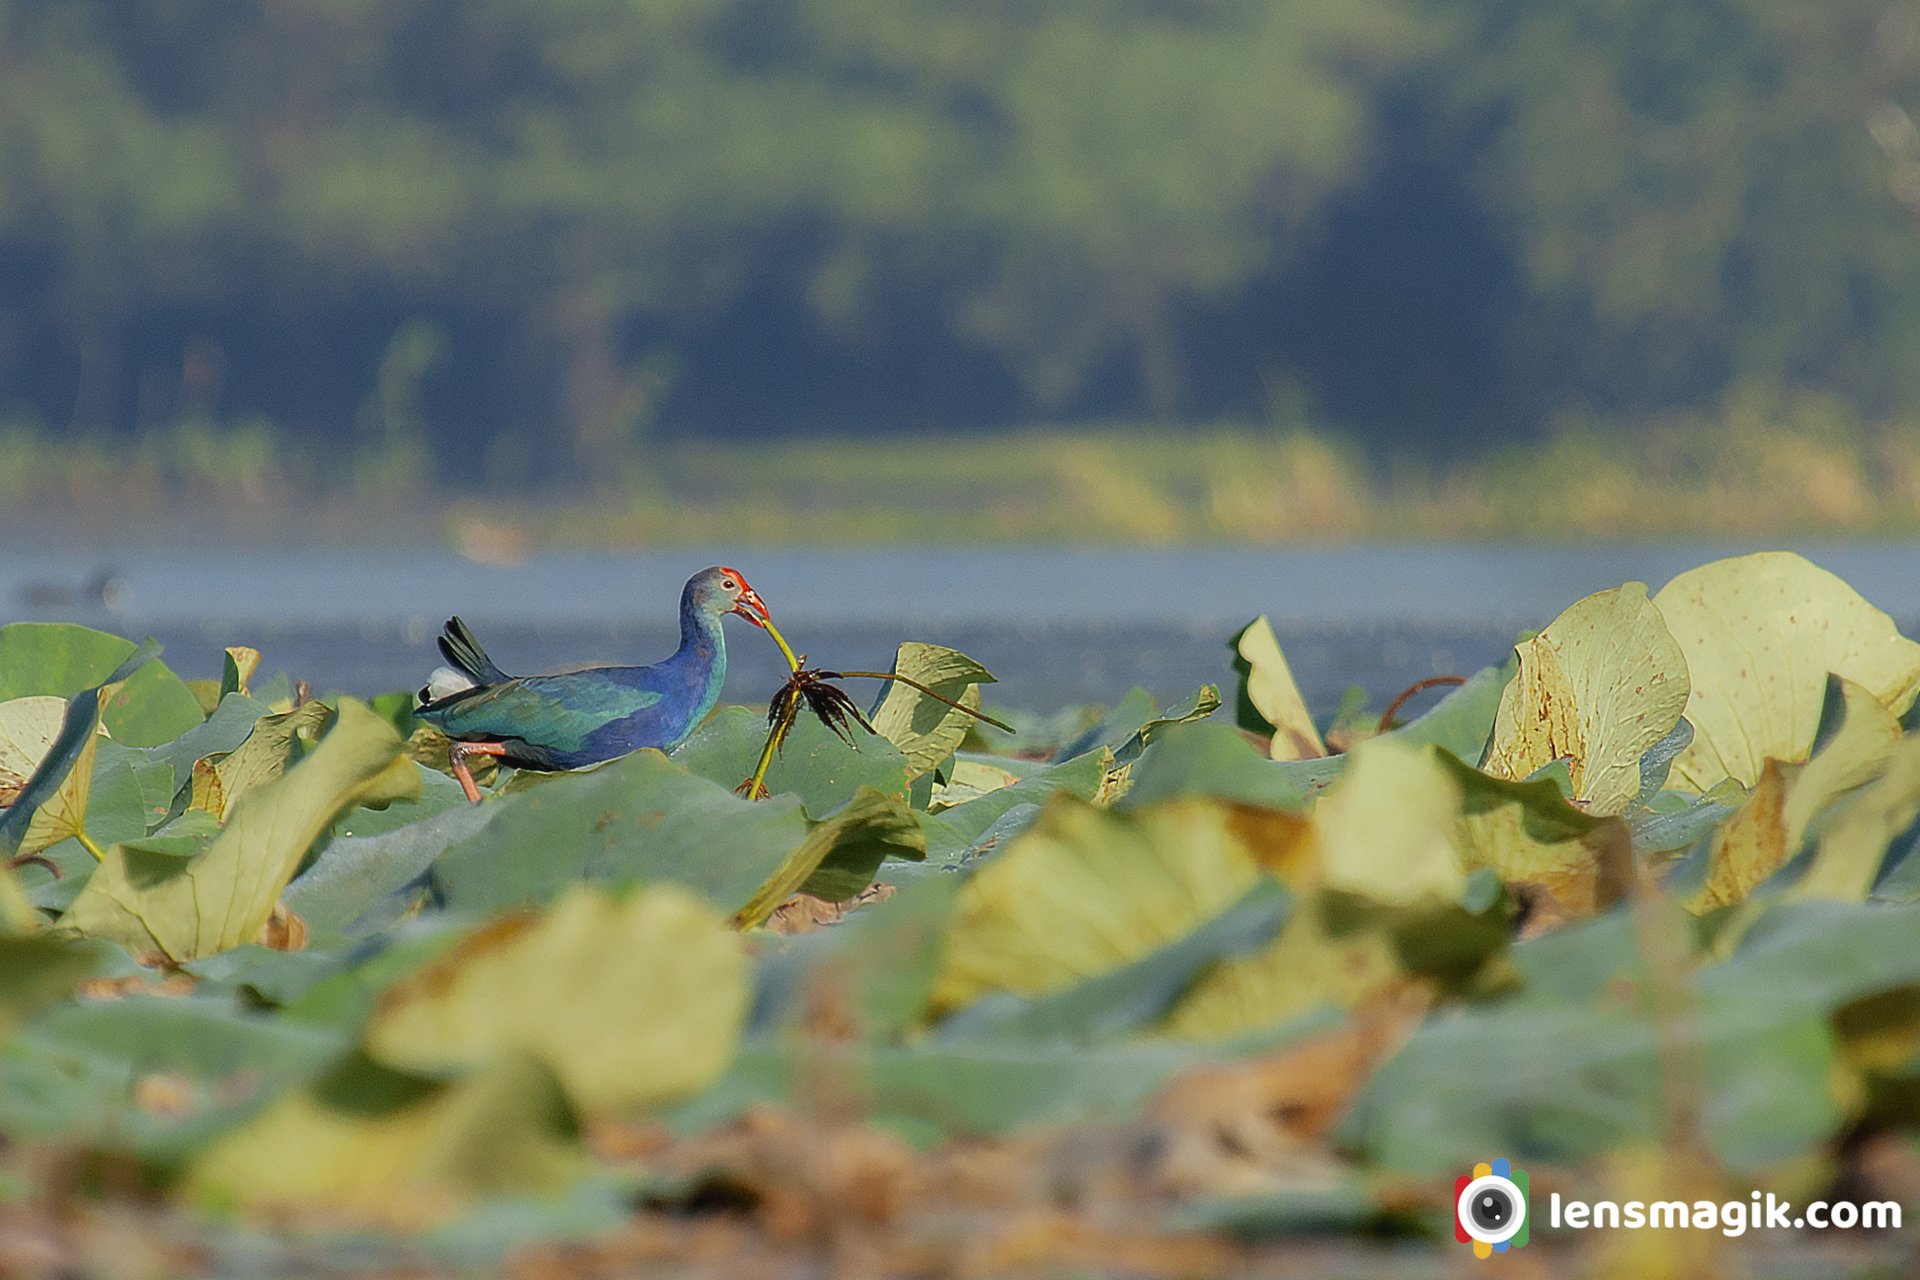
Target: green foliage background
446,225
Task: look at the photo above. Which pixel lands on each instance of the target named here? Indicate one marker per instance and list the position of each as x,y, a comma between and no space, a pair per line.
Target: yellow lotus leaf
630,1003
1386,827
1528,834
220,782
1272,690
1770,827
1851,847
1597,688
377,1146
1087,890
28,727
1761,633
1304,967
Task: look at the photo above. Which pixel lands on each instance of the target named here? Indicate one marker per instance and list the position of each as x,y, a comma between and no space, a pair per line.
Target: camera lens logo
1490,1208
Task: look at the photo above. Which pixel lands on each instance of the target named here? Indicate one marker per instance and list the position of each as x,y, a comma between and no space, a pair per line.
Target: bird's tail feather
464,652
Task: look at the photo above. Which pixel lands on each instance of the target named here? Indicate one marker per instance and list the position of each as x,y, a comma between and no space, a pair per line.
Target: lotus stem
86,842
1418,686
785,648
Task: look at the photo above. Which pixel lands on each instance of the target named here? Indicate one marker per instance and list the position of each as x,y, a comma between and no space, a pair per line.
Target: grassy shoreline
1796,466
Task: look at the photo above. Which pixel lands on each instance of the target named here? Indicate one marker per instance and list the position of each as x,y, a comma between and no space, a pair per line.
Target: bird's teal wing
558,713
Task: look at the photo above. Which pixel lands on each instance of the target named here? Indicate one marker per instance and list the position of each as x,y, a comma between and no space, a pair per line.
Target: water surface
1057,625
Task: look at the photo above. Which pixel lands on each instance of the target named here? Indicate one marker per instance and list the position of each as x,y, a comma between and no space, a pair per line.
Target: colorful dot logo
1490,1208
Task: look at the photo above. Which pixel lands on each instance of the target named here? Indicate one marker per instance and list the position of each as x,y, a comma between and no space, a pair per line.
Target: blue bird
577,718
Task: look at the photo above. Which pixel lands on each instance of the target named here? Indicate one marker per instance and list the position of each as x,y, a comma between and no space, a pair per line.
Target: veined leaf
840,855
28,727
1086,891
219,782
1769,829
186,909
1527,833
1599,688
926,730
59,658
63,777
1761,633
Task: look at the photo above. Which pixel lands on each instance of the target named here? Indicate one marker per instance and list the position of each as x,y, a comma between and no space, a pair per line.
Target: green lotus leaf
185,908
154,1075
51,805
1388,864
641,819
341,895
386,1147
36,969
1136,994
1086,891
814,764
1527,833
1770,827
219,783
630,1003
1313,962
152,706
925,729
840,855
1268,690
1761,633
16,911
1217,760
1600,687
952,831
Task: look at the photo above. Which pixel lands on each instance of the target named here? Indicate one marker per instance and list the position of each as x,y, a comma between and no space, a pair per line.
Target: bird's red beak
751,607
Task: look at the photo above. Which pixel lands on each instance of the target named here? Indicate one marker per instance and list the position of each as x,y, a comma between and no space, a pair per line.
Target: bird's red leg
457,754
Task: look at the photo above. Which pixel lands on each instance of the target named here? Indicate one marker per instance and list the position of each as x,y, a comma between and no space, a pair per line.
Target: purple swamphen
576,718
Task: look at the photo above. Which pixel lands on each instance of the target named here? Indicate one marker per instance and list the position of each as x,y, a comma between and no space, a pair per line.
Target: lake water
1059,626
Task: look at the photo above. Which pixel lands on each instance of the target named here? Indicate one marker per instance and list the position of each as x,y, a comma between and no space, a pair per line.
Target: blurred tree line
516,236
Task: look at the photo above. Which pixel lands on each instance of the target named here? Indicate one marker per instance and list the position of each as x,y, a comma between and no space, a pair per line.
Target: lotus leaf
814,764
1851,850
655,993
1761,633
60,659
386,1147
156,1075
219,783
1770,827
28,727
1528,833
839,856
642,819
188,908
1086,891
1599,688
1268,689
925,729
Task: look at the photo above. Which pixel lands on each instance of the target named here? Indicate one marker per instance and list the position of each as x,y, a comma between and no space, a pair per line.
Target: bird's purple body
577,718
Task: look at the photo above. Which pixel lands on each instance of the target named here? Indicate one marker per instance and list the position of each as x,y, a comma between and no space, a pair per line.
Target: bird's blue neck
703,648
